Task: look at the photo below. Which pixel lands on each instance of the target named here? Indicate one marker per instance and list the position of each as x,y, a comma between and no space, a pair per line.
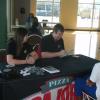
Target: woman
19,51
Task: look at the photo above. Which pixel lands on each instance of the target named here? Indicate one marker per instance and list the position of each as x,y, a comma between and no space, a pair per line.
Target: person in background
18,50
36,28
29,20
52,45
90,84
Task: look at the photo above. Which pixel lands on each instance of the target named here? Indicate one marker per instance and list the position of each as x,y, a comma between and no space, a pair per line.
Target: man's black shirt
50,45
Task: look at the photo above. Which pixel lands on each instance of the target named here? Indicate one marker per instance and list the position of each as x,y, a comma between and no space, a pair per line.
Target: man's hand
62,53
30,59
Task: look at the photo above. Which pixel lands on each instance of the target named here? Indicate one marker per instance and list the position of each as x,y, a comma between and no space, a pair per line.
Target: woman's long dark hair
19,36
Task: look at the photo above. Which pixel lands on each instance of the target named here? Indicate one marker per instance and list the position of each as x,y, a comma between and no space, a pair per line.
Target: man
52,45
81,86
87,84
95,78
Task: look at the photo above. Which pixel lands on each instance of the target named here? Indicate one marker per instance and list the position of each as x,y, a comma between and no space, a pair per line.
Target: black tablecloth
16,89
73,64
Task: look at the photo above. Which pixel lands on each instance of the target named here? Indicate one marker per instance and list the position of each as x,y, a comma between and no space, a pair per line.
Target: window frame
53,2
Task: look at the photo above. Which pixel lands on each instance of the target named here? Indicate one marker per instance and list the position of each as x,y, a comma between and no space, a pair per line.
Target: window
85,43
48,10
88,16
88,13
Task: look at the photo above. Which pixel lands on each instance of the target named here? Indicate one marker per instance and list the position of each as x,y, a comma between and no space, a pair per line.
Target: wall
69,41
3,24
33,6
68,15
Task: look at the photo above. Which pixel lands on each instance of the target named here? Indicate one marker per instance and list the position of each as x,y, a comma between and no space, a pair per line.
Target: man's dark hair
58,27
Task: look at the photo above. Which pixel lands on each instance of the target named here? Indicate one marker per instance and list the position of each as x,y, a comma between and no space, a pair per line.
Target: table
21,87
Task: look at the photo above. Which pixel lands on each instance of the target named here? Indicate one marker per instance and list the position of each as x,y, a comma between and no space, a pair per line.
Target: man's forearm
49,54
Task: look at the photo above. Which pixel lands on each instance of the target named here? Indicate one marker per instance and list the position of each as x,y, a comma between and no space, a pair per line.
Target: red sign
61,93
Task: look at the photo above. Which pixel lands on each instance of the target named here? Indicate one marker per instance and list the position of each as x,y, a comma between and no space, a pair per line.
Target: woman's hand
34,55
30,59
25,39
